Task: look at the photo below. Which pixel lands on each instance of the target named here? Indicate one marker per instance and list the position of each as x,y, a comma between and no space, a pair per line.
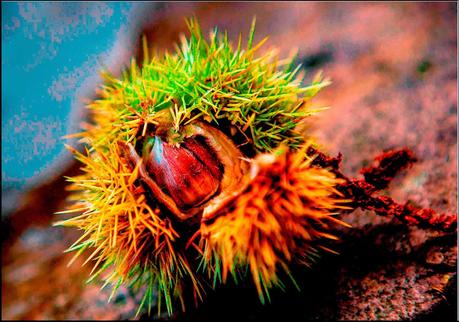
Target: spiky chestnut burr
168,147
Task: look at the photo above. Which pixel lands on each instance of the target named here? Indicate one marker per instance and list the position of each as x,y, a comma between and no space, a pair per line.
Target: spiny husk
123,230
282,214
260,98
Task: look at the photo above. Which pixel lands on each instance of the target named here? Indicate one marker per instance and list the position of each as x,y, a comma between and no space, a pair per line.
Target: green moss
424,66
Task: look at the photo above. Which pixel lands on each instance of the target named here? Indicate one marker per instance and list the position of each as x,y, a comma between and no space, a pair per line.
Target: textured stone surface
394,73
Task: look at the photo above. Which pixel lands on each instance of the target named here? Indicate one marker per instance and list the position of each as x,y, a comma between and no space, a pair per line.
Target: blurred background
394,73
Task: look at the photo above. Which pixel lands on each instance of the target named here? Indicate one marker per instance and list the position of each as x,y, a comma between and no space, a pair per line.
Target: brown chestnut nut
203,170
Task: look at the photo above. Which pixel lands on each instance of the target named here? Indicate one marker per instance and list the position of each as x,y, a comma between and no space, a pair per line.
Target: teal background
51,55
